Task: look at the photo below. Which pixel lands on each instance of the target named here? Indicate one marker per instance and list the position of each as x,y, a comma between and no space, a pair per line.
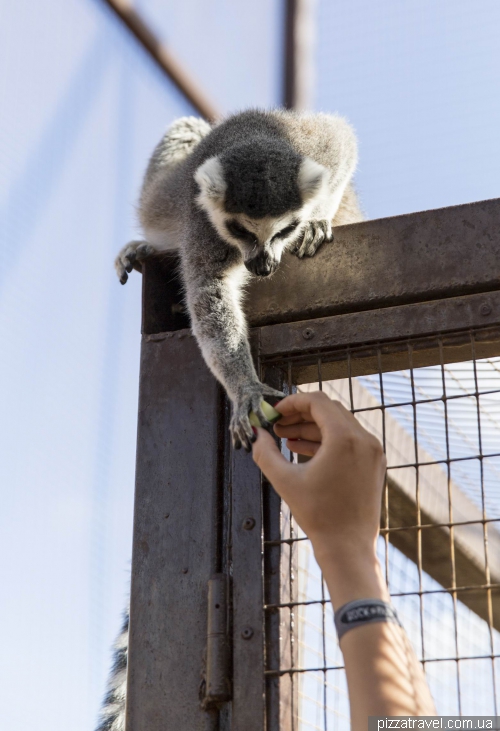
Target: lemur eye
240,232
286,231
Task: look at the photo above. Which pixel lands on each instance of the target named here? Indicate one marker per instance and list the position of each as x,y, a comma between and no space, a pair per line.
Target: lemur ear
210,178
312,177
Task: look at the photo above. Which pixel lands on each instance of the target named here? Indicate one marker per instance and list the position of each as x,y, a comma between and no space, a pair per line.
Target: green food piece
269,412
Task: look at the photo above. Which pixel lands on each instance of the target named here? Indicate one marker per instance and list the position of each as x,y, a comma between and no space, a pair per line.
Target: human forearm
384,676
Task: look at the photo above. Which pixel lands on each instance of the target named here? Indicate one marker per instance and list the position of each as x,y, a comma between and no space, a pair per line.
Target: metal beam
176,535
298,55
248,709
448,252
164,58
374,326
390,261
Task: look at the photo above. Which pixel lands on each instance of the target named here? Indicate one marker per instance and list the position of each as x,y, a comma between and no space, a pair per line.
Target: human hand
335,497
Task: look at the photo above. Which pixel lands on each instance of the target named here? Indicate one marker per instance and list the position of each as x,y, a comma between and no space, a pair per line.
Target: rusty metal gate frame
201,512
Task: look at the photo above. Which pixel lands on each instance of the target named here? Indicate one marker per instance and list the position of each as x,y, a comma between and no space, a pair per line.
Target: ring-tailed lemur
231,199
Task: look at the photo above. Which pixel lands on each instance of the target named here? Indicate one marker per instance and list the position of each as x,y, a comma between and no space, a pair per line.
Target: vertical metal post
176,525
277,695
248,618
298,54
272,587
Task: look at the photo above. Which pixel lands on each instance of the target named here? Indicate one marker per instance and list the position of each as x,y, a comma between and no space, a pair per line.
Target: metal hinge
217,671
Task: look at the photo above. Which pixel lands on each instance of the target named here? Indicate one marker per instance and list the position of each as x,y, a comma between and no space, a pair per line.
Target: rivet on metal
185,570
247,633
308,333
485,309
249,523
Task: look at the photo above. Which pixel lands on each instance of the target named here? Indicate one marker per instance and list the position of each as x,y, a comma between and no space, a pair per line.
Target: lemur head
259,195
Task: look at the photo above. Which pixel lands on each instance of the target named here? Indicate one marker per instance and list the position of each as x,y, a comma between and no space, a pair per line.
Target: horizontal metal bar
164,58
423,592
383,531
393,355
451,460
404,321
362,335
420,256
419,402
327,668
484,521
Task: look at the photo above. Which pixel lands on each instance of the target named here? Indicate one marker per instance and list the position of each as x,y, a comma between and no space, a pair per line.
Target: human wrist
352,572
340,548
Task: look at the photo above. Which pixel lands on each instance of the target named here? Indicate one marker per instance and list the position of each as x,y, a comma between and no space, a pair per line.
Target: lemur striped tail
113,711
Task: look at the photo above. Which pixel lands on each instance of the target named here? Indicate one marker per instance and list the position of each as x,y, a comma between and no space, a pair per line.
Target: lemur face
261,209
262,241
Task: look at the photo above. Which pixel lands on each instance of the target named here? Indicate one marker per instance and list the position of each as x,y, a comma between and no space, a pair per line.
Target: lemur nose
262,265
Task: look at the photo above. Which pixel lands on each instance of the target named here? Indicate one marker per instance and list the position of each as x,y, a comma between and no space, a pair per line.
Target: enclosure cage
231,625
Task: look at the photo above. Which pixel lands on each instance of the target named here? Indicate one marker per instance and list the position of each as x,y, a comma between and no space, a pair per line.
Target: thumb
269,459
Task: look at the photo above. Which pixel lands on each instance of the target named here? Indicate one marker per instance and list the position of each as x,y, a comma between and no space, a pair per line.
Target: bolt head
485,309
308,333
247,633
249,524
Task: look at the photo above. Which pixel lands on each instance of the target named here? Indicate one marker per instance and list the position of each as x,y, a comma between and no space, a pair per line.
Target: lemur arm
213,291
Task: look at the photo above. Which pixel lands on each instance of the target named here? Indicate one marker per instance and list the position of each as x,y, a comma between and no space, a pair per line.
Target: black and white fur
231,199
113,710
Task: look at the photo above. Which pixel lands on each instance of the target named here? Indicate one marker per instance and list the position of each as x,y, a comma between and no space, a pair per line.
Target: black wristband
362,611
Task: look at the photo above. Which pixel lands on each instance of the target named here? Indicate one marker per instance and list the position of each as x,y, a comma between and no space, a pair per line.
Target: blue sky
82,106
419,81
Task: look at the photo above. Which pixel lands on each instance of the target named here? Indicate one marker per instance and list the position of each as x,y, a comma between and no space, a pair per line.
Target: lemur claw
131,255
250,399
315,234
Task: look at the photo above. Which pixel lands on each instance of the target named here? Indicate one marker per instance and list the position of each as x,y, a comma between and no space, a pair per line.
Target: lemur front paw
131,254
315,234
250,399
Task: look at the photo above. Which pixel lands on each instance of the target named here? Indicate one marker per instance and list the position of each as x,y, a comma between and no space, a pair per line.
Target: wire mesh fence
435,405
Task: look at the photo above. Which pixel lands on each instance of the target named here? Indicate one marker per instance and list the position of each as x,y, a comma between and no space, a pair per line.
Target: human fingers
294,418
302,430
313,407
303,446
269,459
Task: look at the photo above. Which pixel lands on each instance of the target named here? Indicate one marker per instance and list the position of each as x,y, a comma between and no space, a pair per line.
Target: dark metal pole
289,59
164,58
175,535
298,54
